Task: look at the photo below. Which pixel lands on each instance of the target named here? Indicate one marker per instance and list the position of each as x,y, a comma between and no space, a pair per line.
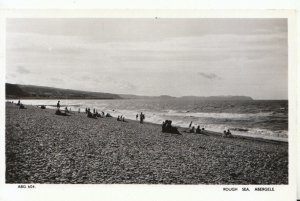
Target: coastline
250,133
42,147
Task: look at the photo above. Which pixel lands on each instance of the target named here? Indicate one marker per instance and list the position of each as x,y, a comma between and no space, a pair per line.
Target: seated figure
163,127
168,128
22,106
227,133
90,115
59,112
192,129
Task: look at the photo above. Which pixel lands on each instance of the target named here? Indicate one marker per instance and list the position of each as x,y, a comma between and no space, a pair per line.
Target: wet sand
42,147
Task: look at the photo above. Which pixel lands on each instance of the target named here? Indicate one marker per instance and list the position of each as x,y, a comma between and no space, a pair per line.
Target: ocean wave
219,115
269,123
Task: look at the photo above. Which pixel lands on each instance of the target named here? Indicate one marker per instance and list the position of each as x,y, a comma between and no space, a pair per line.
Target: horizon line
148,95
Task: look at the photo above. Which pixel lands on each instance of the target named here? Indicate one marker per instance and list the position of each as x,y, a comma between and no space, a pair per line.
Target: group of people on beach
121,118
21,106
142,117
198,130
90,114
168,128
59,112
227,133
95,113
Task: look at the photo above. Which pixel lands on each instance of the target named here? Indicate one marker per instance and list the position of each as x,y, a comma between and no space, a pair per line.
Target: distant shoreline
42,92
214,133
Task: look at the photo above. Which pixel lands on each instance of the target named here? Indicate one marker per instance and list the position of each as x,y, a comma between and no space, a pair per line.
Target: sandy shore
42,147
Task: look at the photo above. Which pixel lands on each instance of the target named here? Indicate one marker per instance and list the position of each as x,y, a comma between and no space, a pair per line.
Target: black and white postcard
155,105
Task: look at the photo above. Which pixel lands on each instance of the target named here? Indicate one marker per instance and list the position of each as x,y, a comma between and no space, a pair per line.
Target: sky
177,57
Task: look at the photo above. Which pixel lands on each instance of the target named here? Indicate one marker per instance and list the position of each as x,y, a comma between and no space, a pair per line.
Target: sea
254,118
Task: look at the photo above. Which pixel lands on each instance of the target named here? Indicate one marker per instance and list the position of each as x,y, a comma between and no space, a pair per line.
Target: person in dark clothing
22,106
198,130
163,127
227,133
141,118
90,115
58,105
174,130
192,130
58,112
168,128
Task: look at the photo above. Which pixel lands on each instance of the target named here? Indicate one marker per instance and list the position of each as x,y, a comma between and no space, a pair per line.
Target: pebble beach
45,148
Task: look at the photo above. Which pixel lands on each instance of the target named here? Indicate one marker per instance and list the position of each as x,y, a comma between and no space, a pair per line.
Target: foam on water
218,115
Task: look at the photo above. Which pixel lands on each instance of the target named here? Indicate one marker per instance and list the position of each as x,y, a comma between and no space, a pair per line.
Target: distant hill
129,96
216,98
13,90
195,98
40,92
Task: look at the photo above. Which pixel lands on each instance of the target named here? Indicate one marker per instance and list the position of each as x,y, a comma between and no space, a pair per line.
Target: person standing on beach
141,118
58,105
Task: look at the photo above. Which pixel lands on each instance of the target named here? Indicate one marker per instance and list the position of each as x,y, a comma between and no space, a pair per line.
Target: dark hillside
40,92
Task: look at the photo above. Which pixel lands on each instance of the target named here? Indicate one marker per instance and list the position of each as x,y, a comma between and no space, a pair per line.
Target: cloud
129,86
22,70
210,76
56,80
